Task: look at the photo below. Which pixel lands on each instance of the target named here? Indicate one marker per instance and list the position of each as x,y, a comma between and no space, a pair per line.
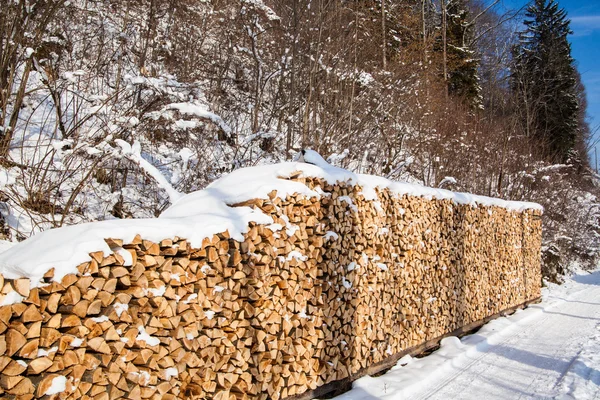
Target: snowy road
548,351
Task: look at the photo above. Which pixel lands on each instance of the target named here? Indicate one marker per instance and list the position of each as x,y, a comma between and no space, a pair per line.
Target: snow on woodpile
201,214
271,282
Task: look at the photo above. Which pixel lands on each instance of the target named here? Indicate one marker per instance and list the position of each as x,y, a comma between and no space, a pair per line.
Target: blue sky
585,41
585,23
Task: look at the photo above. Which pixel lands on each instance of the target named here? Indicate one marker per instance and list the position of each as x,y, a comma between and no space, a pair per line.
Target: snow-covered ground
550,350
5,245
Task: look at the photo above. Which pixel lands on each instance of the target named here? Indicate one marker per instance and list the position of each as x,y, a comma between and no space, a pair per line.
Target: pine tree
544,79
462,63
459,62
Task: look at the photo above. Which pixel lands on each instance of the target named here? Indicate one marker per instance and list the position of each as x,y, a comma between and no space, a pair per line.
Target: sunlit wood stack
336,284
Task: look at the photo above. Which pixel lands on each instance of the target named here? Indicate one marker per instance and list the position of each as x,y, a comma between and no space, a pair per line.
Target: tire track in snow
484,349
544,368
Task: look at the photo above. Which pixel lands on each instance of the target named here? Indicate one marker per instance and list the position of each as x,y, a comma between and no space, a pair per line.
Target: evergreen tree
462,63
544,79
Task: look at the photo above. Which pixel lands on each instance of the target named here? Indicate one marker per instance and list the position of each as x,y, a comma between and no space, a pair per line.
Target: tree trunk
383,36
445,45
14,117
424,33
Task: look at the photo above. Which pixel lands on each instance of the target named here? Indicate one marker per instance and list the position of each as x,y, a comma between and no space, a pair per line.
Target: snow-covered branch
201,111
133,153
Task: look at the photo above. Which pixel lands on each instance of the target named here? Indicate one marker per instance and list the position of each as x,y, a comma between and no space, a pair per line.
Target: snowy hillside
197,90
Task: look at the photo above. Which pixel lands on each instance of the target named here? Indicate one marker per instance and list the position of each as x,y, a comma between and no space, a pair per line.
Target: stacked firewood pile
335,284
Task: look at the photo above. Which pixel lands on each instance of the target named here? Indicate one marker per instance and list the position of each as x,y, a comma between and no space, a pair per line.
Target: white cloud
589,21
585,25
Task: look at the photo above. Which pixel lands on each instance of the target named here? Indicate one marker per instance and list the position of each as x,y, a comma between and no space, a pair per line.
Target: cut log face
334,286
